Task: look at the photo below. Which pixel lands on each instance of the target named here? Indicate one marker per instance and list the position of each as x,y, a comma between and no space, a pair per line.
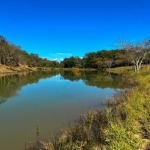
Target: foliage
71,62
99,60
13,56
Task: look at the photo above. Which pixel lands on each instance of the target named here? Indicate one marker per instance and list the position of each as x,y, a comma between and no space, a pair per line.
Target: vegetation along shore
125,124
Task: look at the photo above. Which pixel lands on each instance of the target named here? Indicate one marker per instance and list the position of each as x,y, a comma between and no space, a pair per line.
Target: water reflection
96,78
53,98
9,85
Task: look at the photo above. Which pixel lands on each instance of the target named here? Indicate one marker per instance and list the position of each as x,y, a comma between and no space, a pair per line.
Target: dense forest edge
125,124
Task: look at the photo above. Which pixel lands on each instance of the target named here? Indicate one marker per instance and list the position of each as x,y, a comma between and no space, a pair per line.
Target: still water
53,99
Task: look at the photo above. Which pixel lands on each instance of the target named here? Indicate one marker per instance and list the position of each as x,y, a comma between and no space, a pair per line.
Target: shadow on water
11,84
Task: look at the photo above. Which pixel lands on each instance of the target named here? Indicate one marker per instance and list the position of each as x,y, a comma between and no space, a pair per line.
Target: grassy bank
125,125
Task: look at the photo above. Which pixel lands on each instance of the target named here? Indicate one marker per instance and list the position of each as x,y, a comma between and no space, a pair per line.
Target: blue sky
55,29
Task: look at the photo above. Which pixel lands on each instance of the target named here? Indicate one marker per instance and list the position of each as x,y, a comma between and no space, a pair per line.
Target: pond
53,99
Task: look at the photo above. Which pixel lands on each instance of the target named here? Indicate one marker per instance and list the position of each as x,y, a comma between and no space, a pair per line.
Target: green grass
132,116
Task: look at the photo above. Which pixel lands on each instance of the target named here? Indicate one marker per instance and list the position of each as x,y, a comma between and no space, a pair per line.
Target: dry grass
4,70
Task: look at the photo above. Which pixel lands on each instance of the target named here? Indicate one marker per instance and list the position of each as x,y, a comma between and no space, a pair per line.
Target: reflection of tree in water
2,100
69,75
105,80
98,79
9,85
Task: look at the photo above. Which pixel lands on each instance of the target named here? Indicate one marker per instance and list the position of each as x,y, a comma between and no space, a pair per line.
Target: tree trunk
135,70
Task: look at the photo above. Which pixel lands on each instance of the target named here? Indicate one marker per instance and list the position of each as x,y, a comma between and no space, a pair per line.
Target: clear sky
62,28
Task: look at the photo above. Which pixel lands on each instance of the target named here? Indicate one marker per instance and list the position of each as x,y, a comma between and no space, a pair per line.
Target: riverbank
6,70
124,125
10,69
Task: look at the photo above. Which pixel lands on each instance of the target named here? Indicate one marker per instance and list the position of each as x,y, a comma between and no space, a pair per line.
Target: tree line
127,54
100,60
12,55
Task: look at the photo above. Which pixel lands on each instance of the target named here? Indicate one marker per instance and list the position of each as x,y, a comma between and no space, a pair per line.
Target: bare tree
109,63
136,52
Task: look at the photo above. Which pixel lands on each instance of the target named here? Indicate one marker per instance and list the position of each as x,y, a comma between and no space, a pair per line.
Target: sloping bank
125,125
5,70
10,69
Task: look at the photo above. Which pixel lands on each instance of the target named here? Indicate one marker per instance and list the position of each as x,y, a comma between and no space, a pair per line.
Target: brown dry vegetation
9,69
5,70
